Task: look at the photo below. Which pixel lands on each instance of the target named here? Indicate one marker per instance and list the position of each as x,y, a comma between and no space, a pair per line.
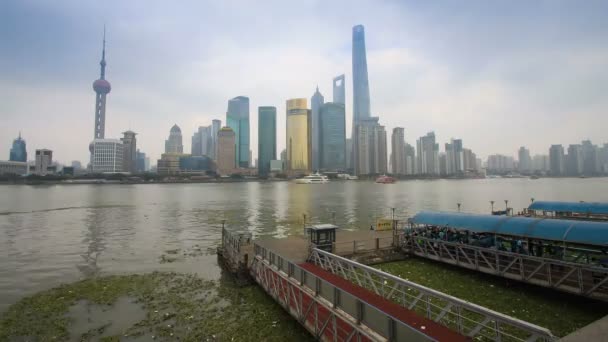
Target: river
61,233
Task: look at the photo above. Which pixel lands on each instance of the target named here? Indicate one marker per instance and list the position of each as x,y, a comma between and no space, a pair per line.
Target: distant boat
315,178
385,180
533,177
346,176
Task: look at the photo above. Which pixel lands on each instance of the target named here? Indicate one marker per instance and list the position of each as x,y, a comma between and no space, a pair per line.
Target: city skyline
403,70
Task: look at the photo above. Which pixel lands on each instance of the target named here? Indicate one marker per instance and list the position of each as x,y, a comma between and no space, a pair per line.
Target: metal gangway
464,317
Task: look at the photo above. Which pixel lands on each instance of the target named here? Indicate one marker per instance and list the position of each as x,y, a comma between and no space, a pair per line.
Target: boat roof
573,231
572,207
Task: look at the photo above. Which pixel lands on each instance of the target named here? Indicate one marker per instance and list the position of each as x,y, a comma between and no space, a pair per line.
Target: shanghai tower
361,107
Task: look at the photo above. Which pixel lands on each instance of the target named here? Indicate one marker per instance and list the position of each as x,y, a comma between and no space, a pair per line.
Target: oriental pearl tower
102,88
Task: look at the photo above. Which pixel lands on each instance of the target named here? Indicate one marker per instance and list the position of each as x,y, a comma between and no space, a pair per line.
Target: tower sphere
102,86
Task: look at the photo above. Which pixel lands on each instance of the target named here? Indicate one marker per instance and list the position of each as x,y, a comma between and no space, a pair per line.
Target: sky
498,74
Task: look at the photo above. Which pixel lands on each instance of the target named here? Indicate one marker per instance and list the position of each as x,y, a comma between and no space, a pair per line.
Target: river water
61,233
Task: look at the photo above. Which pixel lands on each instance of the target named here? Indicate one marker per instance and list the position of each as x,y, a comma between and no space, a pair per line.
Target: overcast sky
498,74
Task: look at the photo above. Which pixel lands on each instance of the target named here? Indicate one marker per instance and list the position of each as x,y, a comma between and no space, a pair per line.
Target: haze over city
498,76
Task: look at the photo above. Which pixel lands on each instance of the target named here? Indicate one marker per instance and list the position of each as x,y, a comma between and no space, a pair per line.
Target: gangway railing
467,318
326,311
577,278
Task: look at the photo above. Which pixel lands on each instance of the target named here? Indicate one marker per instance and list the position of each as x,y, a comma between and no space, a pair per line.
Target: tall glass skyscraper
267,138
332,137
18,151
339,89
316,101
298,135
237,118
361,107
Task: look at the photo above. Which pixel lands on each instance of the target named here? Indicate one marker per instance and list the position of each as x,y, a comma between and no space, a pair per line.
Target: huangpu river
62,233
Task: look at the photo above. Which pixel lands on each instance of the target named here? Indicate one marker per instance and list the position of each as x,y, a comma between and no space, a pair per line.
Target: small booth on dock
322,236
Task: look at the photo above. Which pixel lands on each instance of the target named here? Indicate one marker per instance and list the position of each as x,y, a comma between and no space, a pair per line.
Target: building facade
370,157
316,102
237,118
428,155
524,160
557,160
398,163
108,156
226,156
129,141
13,168
267,139
140,162
44,162
339,90
169,163
18,152
298,135
332,137
196,164
500,164
174,143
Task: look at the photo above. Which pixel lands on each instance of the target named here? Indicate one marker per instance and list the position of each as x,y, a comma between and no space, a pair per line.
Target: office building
316,101
284,155
77,165
349,154
44,162
216,125
226,156
196,164
332,137
18,152
129,152
298,135
174,143
237,118
427,155
557,160
202,142
169,163
339,90
267,139
524,160
398,163
13,168
140,162
107,156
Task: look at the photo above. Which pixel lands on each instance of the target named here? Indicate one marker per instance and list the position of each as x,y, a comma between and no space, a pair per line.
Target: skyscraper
107,155
44,162
18,150
102,88
332,137
216,125
361,105
129,154
525,162
428,155
454,157
174,143
339,90
370,156
574,160
140,161
267,138
556,160
226,151
202,141
398,151
316,101
298,135
237,118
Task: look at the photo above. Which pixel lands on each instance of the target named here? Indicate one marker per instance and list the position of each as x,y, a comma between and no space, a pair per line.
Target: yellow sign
384,224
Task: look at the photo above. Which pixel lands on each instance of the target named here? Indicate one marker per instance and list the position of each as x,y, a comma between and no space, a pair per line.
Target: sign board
384,224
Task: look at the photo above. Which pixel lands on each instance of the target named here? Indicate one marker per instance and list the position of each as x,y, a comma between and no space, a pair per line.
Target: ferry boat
385,180
315,178
346,176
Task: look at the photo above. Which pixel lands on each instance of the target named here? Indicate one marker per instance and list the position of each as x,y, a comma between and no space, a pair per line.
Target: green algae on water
174,306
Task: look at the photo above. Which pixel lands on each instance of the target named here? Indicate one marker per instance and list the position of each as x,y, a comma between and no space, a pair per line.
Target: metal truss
581,279
467,318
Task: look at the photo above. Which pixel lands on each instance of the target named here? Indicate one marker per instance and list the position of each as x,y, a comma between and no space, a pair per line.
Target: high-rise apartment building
524,160
129,141
237,118
540,163
267,138
226,148
557,160
454,157
174,143
18,152
500,164
370,156
410,160
44,162
428,155
298,135
591,162
398,162
316,101
332,137
574,160
339,91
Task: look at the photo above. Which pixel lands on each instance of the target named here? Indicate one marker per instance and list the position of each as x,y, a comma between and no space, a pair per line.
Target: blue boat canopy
571,207
569,231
